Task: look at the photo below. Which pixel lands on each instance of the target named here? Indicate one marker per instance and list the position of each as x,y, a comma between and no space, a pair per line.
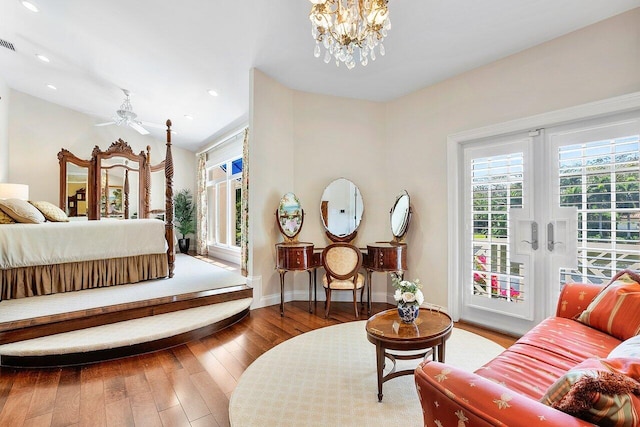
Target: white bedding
26,245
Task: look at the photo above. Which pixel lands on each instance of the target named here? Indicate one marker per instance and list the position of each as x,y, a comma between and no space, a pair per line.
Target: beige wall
271,160
39,129
385,148
4,131
597,62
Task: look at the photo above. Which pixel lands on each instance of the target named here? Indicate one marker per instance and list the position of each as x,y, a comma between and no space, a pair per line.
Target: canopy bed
65,254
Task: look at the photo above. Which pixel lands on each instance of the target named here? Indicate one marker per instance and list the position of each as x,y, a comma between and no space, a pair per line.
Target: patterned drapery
244,242
201,206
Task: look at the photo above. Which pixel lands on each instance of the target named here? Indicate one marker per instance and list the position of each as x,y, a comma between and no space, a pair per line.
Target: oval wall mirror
341,209
290,216
400,215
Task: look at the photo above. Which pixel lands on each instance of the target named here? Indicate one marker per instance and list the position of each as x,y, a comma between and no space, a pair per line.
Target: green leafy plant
184,212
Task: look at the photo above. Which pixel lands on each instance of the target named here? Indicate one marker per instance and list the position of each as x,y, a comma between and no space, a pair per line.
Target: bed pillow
21,211
615,309
5,219
50,211
601,391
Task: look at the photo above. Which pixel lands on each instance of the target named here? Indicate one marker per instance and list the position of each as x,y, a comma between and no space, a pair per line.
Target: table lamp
14,191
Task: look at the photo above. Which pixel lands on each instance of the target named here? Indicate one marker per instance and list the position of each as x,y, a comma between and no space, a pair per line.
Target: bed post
168,226
147,184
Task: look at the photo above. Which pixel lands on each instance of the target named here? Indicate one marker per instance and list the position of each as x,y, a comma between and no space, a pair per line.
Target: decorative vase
408,312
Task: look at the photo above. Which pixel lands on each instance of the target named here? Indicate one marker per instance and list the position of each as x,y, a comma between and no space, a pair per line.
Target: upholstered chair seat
344,284
342,262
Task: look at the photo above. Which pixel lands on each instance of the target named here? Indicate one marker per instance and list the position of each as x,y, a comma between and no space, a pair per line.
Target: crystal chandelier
349,30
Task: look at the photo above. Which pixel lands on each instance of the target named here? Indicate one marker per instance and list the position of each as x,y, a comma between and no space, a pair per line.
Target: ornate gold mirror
400,216
341,209
290,217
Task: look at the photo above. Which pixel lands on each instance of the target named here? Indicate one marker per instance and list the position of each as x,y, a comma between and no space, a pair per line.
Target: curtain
244,241
201,206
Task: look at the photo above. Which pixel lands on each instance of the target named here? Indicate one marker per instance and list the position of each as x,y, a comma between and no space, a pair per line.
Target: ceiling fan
125,116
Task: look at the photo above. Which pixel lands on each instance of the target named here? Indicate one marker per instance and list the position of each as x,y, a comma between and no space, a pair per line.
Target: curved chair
342,262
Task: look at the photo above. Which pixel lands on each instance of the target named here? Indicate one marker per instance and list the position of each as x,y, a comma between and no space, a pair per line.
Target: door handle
551,244
534,236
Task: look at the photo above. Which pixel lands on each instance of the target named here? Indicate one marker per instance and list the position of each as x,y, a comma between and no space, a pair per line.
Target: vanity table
390,257
296,256
292,255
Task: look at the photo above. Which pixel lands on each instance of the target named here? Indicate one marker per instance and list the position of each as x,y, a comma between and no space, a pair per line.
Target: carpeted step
123,335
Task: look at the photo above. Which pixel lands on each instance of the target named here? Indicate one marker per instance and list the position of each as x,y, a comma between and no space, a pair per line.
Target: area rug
327,377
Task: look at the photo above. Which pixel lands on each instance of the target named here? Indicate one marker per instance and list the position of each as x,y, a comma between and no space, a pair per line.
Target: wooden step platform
106,323
124,338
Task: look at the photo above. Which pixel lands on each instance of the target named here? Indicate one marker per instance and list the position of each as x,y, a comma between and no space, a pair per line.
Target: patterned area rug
327,377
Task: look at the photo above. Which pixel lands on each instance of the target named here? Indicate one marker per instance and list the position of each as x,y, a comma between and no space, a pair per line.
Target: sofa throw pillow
628,348
615,309
5,219
50,211
21,211
600,391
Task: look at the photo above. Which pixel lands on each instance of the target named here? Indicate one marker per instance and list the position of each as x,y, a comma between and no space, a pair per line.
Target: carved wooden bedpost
126,194
147,184
169,232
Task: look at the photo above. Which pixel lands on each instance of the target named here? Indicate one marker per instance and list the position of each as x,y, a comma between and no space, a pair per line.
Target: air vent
7,44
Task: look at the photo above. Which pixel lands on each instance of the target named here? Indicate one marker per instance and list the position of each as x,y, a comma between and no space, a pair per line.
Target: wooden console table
388,257
295,256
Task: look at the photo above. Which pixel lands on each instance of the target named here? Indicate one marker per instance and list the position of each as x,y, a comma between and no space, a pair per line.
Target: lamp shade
14,191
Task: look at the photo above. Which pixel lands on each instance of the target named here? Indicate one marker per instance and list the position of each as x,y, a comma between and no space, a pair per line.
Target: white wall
4,131
39,129
385,148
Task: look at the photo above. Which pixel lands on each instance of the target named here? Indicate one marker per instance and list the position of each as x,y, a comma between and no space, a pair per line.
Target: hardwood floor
188,385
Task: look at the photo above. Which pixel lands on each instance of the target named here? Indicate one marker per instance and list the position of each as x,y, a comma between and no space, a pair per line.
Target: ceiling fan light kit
349,30
126,116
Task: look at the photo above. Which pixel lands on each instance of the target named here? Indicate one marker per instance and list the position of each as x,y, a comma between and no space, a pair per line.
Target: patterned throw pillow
21,211
628,348
600,391
51,212
616,309
5,219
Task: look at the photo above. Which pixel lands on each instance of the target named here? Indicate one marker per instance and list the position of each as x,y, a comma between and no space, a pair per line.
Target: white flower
408,297
398,295
405,283
419,297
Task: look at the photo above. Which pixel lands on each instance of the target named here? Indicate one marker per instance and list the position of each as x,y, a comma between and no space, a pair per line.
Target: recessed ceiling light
42,58
29,5
52,87
212,92
186,116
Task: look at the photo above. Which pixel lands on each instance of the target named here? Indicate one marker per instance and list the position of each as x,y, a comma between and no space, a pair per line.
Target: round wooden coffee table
427,335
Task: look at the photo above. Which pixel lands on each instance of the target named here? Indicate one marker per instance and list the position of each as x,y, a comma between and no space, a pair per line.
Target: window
600,178
224,198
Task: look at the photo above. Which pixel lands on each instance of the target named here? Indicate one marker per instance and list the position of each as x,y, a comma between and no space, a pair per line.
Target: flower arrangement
407,292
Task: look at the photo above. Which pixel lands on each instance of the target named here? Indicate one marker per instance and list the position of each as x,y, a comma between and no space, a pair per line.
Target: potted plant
184,214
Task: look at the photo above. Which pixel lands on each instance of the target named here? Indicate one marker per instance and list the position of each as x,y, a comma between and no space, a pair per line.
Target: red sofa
508,390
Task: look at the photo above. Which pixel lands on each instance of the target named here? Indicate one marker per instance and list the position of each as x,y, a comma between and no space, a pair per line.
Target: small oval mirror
400,215
341,208
290,216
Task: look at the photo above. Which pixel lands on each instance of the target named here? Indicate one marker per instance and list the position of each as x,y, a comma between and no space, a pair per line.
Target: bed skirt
50,279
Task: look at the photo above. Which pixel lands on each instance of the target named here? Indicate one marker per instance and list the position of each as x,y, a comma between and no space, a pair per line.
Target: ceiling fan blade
139,128
153,125
105,124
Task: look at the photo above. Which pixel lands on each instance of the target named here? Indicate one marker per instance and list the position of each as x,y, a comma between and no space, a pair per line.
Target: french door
545,208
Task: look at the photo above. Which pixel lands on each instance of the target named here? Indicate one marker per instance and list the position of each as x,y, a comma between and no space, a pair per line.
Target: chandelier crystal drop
349,30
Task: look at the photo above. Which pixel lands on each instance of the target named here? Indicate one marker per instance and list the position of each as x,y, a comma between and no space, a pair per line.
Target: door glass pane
236,207
221,226
211,211
600,178
496,188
